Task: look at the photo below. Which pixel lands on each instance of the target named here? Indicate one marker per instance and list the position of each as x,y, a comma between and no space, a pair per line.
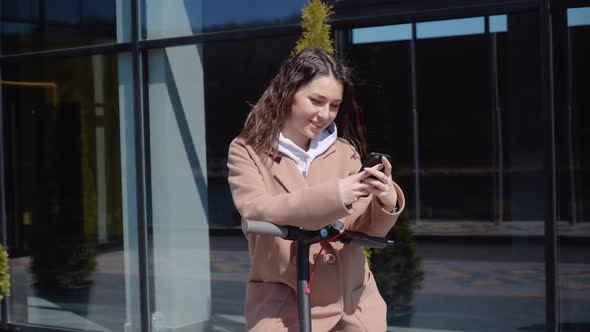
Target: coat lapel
287,173
328,153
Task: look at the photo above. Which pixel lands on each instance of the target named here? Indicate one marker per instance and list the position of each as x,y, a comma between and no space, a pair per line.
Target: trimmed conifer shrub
316,30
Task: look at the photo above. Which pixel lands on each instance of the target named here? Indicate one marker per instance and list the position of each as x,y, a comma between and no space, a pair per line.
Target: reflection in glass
491,272
574,171
522,174
385,97
382,34
448,28
455,128
498,23
172,18
177,224
578,16
578,103
63,166
236,74
37,25
199,97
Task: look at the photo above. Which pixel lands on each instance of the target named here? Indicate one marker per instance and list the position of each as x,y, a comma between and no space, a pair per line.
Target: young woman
289,167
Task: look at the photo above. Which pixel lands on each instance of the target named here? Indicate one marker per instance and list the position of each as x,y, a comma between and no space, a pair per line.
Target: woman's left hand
382,187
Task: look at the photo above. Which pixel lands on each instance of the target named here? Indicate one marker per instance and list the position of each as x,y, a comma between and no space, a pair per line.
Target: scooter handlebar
370,243
266,228
263,228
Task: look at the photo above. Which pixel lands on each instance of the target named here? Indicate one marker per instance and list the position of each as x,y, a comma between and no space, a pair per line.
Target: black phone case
373,159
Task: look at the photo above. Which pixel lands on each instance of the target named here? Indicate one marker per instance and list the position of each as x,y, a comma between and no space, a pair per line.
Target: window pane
172,18
455,128
242,69
578,16
461,253
448,28
581,118
573,137
236,75
498,23
178,225
37,25
199,98
69,247
522,169
385,96
382,34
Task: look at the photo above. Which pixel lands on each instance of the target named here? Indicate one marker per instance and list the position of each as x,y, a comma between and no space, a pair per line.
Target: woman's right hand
352,188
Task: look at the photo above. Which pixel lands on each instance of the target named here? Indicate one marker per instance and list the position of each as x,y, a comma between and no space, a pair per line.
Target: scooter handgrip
263,228
369,243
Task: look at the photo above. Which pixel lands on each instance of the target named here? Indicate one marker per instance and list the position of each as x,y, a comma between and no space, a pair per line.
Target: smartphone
373,159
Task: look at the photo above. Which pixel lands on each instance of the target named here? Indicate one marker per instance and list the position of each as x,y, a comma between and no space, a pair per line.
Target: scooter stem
302,281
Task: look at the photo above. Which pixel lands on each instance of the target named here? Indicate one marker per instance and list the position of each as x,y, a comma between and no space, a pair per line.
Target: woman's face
314,107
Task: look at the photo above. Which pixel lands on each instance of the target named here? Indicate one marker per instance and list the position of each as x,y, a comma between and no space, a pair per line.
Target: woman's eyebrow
318,95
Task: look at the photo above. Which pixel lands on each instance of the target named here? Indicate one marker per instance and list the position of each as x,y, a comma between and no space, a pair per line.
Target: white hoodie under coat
317,146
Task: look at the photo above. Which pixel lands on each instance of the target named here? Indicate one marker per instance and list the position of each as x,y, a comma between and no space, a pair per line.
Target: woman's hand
352,187
382,187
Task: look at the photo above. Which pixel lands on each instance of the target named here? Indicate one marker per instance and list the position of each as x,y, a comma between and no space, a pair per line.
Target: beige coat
343,287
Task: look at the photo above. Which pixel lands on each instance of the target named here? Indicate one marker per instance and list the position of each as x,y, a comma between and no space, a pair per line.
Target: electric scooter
304,239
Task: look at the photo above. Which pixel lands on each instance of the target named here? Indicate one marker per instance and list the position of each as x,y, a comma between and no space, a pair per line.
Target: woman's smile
319,126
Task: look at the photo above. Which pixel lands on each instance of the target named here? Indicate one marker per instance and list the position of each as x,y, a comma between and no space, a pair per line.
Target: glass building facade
116,116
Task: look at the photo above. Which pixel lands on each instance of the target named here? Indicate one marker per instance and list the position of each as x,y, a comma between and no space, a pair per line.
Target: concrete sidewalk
499,288
507,228
471,228
457,295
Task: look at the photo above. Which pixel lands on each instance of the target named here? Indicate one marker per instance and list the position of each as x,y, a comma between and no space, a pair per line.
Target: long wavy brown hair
268,116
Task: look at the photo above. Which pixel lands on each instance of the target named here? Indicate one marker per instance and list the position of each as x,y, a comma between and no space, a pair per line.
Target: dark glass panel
573,146
384,94
581,117
236,75
64,207
219,80
490,273
38,25
237,14
455,128
216,15
24,9
522,128
63,11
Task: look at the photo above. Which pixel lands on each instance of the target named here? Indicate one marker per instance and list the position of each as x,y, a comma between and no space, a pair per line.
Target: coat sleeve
368,216
310,208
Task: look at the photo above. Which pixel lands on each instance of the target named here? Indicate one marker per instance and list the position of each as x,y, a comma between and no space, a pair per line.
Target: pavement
486,229
442,228
469,286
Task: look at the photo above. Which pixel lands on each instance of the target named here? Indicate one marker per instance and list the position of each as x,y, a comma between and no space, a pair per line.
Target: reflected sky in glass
382,34
220,12
498,23
448,28
171,18
578,16
435,29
